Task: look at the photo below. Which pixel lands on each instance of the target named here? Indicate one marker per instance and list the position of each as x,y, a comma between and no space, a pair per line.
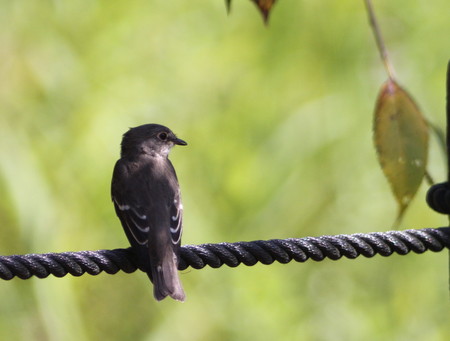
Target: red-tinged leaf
265,7
401,139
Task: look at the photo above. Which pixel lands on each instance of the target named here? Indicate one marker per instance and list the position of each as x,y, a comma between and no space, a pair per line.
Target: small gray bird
147,199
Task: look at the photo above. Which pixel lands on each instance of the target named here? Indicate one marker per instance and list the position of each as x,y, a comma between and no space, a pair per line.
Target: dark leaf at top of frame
228,4
264,6
401,138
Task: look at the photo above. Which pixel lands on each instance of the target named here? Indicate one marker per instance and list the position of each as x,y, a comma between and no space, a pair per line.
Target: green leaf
401,138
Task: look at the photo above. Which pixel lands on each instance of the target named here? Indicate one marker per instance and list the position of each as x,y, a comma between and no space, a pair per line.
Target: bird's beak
179,142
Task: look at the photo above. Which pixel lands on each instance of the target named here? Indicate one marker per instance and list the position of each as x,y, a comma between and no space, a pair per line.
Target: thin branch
379,39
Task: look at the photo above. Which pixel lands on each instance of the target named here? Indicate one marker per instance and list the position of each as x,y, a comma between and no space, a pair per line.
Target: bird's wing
134,220
129,202
176,219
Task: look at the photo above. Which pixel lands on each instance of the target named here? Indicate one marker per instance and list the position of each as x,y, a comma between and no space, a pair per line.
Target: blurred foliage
278,121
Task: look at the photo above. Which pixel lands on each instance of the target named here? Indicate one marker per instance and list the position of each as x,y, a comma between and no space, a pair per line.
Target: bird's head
151,139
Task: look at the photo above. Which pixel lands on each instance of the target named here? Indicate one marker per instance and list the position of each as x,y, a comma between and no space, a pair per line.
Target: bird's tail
165,279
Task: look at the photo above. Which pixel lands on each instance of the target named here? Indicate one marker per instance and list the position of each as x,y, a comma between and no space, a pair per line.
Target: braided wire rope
232,254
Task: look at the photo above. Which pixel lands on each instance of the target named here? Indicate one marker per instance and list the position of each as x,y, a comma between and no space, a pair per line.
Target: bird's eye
162,136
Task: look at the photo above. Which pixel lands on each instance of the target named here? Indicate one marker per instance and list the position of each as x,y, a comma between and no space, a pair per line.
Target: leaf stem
429,178
379,39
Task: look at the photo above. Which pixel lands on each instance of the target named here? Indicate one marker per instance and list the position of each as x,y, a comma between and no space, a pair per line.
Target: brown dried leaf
401,139
264,6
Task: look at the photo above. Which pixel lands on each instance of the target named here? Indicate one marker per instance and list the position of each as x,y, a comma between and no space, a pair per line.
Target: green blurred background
279,125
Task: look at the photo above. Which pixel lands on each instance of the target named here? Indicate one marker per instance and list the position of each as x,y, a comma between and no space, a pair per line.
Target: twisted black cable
232,254
438,197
